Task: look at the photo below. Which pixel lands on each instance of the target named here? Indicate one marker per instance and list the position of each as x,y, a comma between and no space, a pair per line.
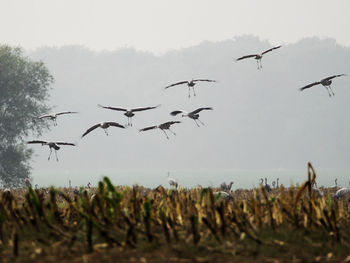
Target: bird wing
223,185
36,141
172,122
176,112
172,181
65,143
145,108
310,85
90,129
148,128
200,109
247,56
65,112
178,83
45,116
115,124
266,51
112,108
332,77
208,80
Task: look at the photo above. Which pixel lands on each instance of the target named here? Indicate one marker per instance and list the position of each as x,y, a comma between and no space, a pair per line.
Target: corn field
192,224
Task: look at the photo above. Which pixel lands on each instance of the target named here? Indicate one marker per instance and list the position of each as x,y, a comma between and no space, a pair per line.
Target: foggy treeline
260,119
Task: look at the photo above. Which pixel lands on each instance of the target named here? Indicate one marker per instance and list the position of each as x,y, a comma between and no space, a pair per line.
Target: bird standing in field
258,57
326,82
53,116
172,182
129,112
190,84
194,115
164,126
223,195
52,145
341,193
226,187
267,187
104,126
318,192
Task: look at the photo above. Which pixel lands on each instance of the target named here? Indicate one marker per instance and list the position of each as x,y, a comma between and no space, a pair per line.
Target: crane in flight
53,116
104,126
190,84
194,115
326,82
258,57
52,145
164,126
128,112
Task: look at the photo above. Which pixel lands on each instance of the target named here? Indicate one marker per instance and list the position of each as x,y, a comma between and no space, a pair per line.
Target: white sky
162,25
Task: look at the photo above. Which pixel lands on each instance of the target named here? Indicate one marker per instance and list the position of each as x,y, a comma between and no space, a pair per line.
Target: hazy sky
162,25
261,125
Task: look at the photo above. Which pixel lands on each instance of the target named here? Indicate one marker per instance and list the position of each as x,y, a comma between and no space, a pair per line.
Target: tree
24,91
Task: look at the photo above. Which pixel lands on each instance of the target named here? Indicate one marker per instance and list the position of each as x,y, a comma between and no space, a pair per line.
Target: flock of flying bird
129,113
194,115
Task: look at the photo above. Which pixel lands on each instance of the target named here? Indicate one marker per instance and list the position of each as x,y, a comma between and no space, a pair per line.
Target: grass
138,224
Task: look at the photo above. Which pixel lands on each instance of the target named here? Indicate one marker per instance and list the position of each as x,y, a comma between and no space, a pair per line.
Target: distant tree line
24,92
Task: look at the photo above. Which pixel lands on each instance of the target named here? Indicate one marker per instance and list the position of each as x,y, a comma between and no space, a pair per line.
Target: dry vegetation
135,224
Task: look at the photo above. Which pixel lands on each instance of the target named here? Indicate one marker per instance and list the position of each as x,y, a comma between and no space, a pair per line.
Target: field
136,224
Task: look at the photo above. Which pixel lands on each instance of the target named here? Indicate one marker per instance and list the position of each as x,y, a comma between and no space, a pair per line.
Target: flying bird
53,116
258,57
164,126
129,112
326,82
190,83
52,145
194,115
104,126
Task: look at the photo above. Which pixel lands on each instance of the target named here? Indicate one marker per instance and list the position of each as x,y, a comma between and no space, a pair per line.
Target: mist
261,122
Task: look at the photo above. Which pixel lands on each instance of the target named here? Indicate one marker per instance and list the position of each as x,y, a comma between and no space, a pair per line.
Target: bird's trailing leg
194,93
189,92
166,134
196,122
56,155
49,155
260,63
106,131
172,132
257,62
200,121
129,121
330,88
